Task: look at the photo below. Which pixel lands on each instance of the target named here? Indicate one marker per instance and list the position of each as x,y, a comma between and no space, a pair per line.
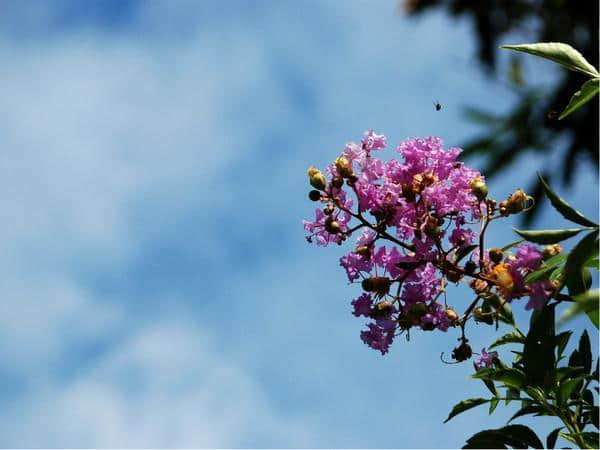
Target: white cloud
165,386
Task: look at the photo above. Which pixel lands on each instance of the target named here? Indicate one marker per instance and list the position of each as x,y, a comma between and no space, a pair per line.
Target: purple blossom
362,305
379,336
486,359
539,293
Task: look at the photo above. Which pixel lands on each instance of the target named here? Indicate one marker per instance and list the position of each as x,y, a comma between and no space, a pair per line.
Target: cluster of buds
432,212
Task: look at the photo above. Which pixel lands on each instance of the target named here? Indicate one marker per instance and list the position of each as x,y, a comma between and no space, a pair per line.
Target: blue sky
158,291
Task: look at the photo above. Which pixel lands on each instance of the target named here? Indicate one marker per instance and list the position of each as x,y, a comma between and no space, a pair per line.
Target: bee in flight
438,105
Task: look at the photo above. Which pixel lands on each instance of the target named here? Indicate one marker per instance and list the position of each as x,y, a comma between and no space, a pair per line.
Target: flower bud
551,250
328,210
479,188
337,182
331,226
368,285
315,196
462,352
454,276
496,254
317,179
364,251
343,166
479,286
504,208
431,227
381,310
470,267
408,193
381,285
416,311
451,315
516,202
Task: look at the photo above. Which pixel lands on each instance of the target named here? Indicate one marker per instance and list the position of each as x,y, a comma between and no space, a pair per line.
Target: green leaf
529,409
493,404
585,351
517,436
569,438
586,302
574,266
587,92
538,351
512,244
560,341
510,377
565,373
566,210
566,389
545,268
563,54
591,439
504,312
551,439
548,236
593,263
510,338
465,405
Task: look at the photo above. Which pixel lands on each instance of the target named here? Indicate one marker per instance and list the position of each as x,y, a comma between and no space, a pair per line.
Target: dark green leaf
546,267
516,436
574,266
510,338
586,302
560,53
551,439
595,416
512,244
465,405
493,404
588,397
567,211
529,409
491,386
593,263
538,351
566,389
565,373
510,377
504,312
560,341
587,92
591,439
548,236
585,351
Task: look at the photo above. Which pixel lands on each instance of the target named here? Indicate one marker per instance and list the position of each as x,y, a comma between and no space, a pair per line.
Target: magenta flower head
486,359
417,218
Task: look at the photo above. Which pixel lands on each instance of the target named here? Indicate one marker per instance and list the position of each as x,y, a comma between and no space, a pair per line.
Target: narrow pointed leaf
587,303
585,351
548,236
585,248
512,244
529,409
551,439
546,267
563,54
465,405
587,92
493,404
510,338
567,211
566,389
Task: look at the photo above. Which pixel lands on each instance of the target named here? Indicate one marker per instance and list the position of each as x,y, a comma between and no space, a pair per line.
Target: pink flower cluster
423,205
417,200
